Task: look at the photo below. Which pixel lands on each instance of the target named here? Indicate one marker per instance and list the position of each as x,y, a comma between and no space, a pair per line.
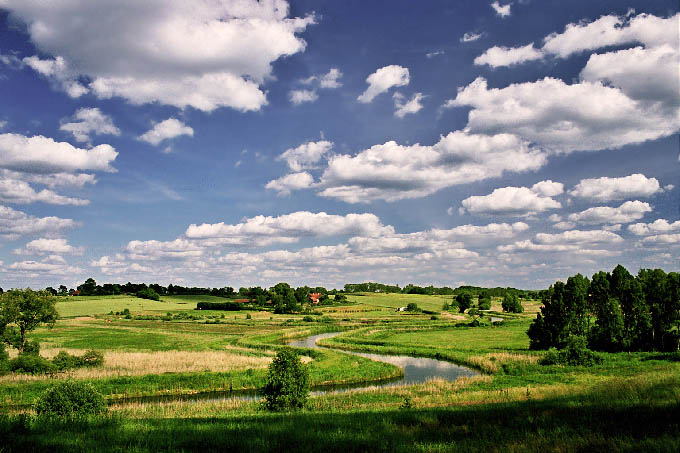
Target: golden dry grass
118,363
493,361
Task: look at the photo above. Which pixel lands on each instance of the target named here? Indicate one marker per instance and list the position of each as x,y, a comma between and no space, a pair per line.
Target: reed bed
118,363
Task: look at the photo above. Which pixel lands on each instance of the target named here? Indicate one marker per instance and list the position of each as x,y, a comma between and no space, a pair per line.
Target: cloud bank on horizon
249,142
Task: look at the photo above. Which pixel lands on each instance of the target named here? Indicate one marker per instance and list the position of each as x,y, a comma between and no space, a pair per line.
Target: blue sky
322,142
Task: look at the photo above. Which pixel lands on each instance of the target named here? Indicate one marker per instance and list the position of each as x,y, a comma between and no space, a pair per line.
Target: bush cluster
65,361
34,364
71,399
148,293
31,364
576,353
228,306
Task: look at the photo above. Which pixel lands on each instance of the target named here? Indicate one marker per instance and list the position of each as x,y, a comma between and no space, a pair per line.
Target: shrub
484,303
576,353
4,360
65,361
148,293
31,364
308,319
228,306
92,358
31,348
412,307
248,316
287,383
71,399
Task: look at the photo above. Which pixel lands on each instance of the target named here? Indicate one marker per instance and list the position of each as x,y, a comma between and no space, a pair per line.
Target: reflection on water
417,370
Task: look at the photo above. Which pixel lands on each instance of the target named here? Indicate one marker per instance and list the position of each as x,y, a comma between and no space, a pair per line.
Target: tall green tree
575,300
89,288
637,319
550,328
22,310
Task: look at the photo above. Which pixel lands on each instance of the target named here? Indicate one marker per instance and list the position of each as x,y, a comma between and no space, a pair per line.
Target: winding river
417,370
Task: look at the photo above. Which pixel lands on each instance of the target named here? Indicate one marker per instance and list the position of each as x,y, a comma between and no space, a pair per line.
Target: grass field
627,403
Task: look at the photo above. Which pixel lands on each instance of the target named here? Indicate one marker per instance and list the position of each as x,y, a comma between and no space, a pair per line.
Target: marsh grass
493,362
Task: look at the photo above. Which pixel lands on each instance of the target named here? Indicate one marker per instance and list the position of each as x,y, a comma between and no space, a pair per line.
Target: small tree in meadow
22,310
464,301
511,303
287,383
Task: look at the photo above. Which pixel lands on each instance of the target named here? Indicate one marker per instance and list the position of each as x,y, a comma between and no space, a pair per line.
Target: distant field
69,307
432,303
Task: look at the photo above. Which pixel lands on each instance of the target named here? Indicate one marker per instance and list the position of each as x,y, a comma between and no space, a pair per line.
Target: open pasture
169,349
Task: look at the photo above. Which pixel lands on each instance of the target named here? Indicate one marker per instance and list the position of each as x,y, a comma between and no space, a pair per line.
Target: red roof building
314,297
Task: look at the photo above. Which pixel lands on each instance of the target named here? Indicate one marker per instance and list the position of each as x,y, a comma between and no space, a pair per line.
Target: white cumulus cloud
88,121
501,10
507,56
40,154
292,181
306,156
382,80
608,189
625,213
204,54
393,172
297,97
44,246
165,130
14,224
520,201
403,108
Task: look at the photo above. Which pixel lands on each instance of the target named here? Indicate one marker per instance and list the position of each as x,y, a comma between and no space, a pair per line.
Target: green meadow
162,353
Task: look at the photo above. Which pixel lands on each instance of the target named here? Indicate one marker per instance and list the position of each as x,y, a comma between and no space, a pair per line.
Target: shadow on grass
549,425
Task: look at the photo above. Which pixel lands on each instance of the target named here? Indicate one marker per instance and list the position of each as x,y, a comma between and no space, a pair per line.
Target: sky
243,143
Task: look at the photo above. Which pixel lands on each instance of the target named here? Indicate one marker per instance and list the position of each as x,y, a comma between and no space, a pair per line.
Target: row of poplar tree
614,311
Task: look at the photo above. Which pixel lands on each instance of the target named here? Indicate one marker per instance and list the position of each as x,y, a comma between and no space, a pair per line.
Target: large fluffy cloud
204,54
646,29
608,189
659,226
40,154
14,224
516,200
45,246
394,172
562,117
623,97
42,160
382,80
289,228
625,213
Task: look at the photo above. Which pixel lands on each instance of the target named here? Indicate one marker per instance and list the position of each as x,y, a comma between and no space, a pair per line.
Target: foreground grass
632,414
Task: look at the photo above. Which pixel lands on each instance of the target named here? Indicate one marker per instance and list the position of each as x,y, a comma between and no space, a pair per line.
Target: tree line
613,312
